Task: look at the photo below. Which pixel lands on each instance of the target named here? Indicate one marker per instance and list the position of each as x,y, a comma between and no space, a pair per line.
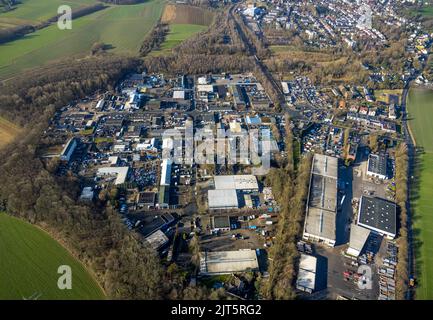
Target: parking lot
337,283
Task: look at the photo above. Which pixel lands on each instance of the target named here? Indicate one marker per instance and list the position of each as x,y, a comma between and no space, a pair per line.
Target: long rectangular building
69,150
227,262
321,215
246,182
306,280
166,172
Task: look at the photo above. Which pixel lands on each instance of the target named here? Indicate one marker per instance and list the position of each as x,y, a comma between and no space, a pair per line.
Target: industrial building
321,215
223,199
358,238
121,173
227,262
157,240
149,224
220,223
166,172
228,191
306,280
377,166
146,199
164,197
69,150
236,182
378,215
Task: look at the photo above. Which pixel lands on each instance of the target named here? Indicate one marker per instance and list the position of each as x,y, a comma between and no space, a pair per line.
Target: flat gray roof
238,182
219,199
321,223
325,166
321,215
323,193
358,237
221,222
225,262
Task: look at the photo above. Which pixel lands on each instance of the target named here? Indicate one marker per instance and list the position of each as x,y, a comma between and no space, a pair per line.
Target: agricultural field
184,21
121,27
29,260
32,12
184,14
8,132
177,34
420,109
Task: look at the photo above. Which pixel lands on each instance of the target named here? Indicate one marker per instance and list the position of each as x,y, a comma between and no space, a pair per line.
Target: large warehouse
378,215
321,215
228,190
246,182
227,262
223,199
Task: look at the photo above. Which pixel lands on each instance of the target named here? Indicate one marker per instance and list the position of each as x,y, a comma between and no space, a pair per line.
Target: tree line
290,188
154,40
401,197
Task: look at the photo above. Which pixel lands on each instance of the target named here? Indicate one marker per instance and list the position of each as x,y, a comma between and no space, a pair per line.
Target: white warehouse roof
166,172
237,182
179,94
222,199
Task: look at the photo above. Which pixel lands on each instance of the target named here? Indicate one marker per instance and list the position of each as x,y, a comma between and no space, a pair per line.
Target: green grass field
29,259
122,27
35,11
420,108
426,11
177,34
